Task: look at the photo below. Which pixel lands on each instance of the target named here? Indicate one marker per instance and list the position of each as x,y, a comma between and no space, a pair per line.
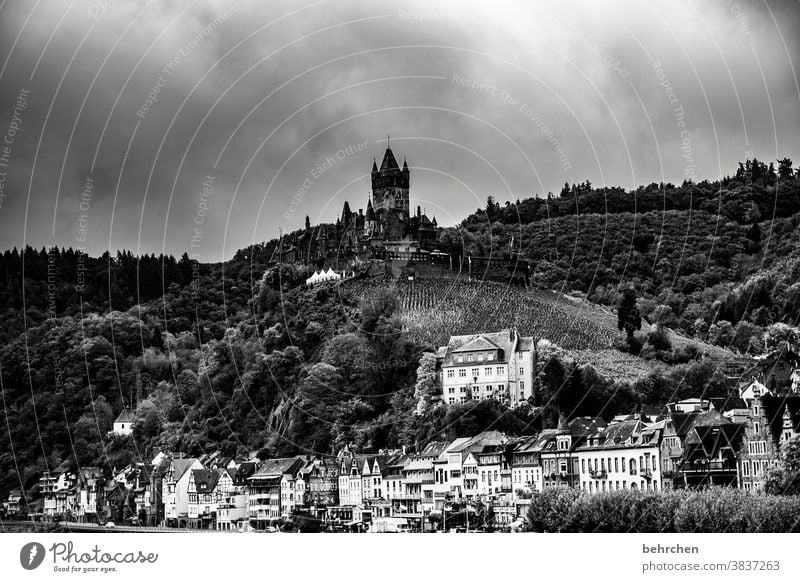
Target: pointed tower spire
374,165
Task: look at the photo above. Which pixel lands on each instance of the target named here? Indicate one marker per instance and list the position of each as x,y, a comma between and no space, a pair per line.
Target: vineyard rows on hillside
435,309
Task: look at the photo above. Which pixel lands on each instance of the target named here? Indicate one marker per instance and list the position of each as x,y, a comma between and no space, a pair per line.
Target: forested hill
241,356
697,254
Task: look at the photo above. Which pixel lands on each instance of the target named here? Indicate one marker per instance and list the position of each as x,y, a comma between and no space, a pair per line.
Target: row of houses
691,443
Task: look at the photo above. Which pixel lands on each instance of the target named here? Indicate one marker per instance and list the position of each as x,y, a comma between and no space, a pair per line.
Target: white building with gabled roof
123,424
497,365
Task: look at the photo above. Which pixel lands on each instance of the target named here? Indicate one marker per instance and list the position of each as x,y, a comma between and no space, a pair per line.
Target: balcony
709,467
565,475
647,474
598,473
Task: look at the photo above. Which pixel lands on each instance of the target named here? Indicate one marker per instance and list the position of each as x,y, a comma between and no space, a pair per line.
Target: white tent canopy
323,275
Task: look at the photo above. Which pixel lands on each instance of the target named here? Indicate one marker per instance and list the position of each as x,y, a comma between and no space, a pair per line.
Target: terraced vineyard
436,308
433,309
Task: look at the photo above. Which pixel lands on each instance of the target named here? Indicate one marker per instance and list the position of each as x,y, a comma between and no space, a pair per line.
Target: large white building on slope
496,365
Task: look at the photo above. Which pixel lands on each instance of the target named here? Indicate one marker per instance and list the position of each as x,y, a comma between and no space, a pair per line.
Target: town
479,483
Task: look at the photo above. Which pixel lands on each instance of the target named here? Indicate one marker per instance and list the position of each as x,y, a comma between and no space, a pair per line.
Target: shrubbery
716,509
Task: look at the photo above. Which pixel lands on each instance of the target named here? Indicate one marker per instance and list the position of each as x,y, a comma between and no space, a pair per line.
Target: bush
717,509
659,339
552,510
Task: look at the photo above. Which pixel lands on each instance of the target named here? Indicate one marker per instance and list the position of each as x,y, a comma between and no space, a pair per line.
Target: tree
785,169
426,387
629,319
785,478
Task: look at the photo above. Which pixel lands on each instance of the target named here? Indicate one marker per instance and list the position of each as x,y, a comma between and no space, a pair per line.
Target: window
633,467
462,373
487,371
451,373
746,468
499,370
757,427
522,387
654,463
469,358
451,390
475,372
583,465
490,357
616,464
521,371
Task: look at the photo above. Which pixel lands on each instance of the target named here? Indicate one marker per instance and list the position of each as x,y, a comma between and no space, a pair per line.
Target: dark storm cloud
163,107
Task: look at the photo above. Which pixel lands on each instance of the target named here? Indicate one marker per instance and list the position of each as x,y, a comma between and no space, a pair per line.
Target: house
175,491
460,468
153,500
753,390
59,493
320,478
490,365
232,507
711,452
123,424
623,455
202,490
680,420
779,370
118,502
419,478
271,491
89,493
14,505
557,450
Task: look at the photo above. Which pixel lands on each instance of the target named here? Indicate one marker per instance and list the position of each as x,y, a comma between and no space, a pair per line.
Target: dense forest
717,260
241,356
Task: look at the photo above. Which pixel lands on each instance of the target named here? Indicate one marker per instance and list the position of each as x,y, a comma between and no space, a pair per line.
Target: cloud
149,99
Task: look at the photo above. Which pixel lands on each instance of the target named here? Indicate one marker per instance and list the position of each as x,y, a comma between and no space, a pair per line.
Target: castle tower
390,186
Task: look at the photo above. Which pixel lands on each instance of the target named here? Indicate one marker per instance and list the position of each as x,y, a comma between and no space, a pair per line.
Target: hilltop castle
387,229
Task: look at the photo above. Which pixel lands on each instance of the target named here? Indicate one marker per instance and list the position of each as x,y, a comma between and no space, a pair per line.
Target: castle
387,229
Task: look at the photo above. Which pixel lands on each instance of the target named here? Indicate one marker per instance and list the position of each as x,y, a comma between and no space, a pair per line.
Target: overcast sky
507,99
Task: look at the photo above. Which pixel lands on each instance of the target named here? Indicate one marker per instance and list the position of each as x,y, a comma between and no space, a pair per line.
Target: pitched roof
389,163
476,344
205,480
279,467
775,407
124,416
181,466
583,426
507,341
